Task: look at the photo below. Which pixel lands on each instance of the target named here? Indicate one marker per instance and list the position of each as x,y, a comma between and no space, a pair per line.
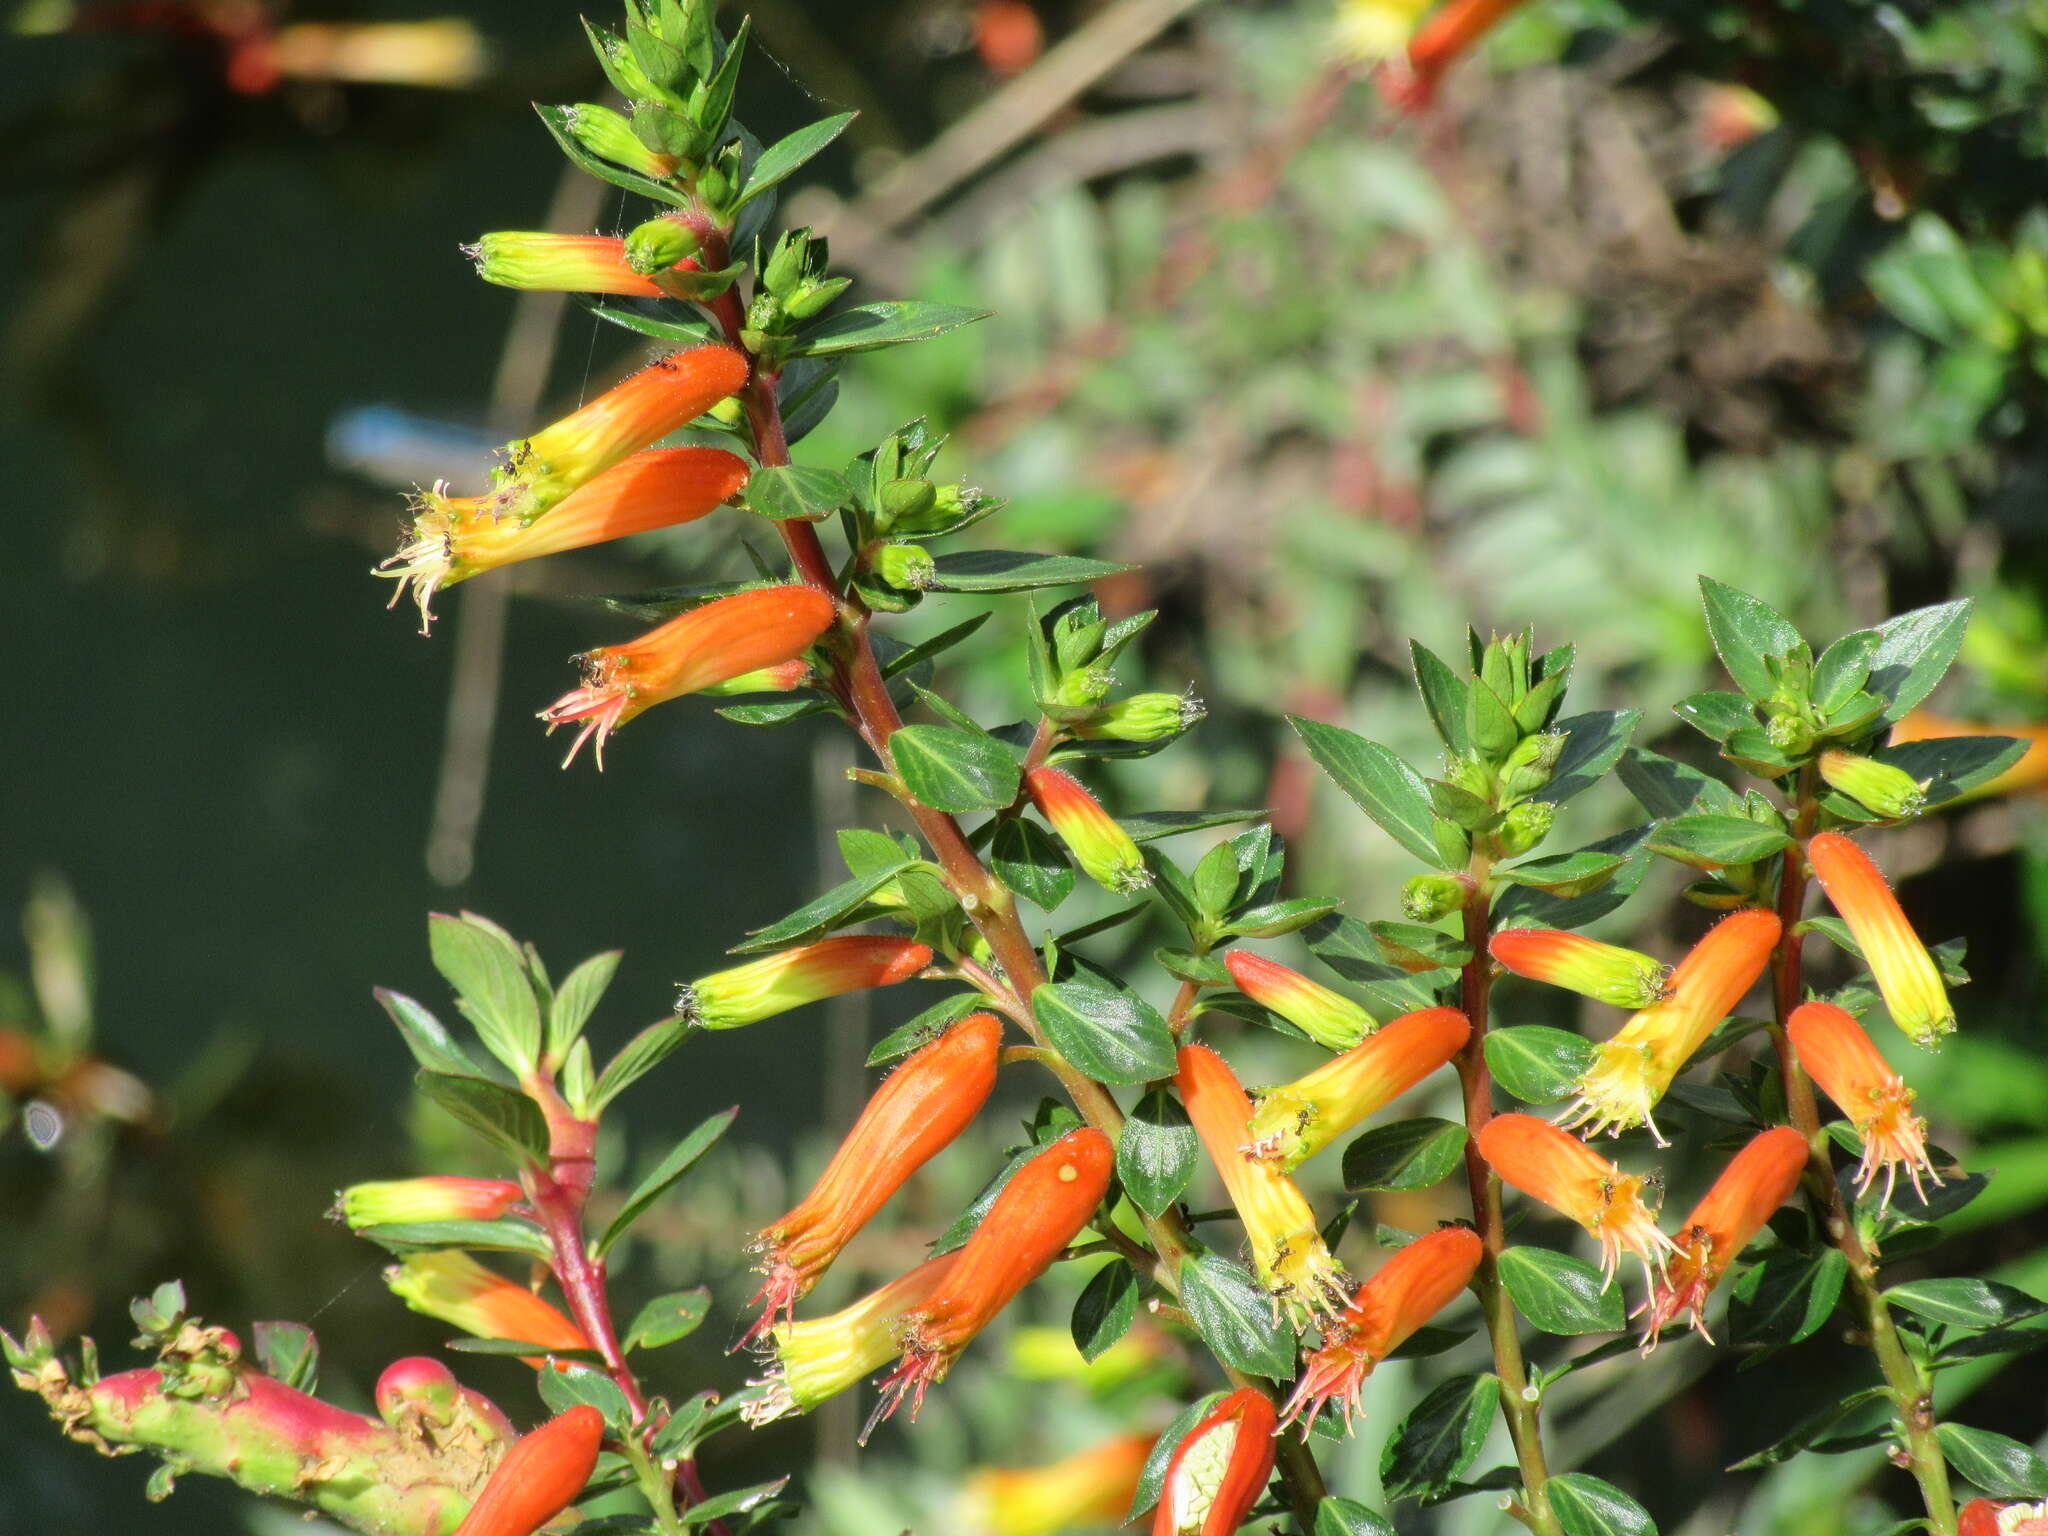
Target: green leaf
937,645
1150,826
891,323
483,965
955,771
1440,1438
1578,873
1113,1037
668,1318
1153,1475
1015,570
1587,1506
780,159
638,1057
1716,715
1954,765
576,999
796,492
1348,1517
1998,1464
1443,695
737,1501
1157,1153
1384,787
1538,1064
1525,906
1276,918
1560,1294
522,1347
1665,787
687,330
679,1161
1745,630
1843,669
288,1352
1107,1307
1809,1430
814,917
1030,861
1965,1303
557,120
500,1114
1913,651
508,1234
1593,744
1787,1296
1415,947
924,1029
1715,842
565,1389
1408,1154
425,1036
1235,1316
1348,947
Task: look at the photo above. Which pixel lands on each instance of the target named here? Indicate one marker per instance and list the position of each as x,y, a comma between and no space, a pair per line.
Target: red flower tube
1331,1020
1759,1179
540,1476
1028,1225
1839,1056
789,978
1906,974
1555,1167
1298,1119
922,1106
723,639
1219,1469
1414,1285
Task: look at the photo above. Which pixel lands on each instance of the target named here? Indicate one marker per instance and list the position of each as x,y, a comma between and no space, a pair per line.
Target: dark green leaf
955,771
1415,947
523,1347
671,1168
888,324
1787,1296
1587,1506
1186,965
1013,570
1593,744
1953,765
668,1318
925,650
1914,650
576,999
1578,873
1347,1517
1279,917
1030,861
1716,715
673,325
786,155
1998,1464
1157,1153
1427,1341
1843,669
1560,1294
1150,826
500,1114
1745,630
1153,1475
1965,1303
565,1389
1235,1317
816,916
1714,842
1809,1430
425,1036
737,1501
1526,907
1443,695
796,492
963,1225
1113,1037
638,1057
1440,1438
1665,787
1408,1154
1107,1308
1348,947
483,965
1538,1064
1384,787
924,1029
508,1234
288,1352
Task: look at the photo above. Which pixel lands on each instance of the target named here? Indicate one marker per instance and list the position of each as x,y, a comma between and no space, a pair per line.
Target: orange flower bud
1634,1070
1298,1119
1906,974
518,258
437,1198
1838,1055
723,639
818,1358
1287,1247
1103,849
1608,973
1451,30
1219,1469
1555,1167
539,1478
453,539
922,1106
1414,1285
790,978
1334,1022
455,1288
1759,1179
1091,1487
1030,1222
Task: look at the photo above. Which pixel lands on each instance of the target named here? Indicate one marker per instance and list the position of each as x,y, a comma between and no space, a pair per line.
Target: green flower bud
907,567
659,244
1524,827
1083,686
1431,898
1532,763
787,263
906,503
814,298
609,135
1470,775
1142,717
714,185
1788,731
1889,791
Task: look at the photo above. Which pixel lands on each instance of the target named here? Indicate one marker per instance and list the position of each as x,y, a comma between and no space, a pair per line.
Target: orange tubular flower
821,1357
1103,849
1027,1226
792,977
1839,1056
1297,1120
1451,30
1607,973
1983,1517
452,540
1555,1167
437,1198
1634,1070
1414,1285
1287,1247
923,1105
453,1287
1906,974
1091,1487
1759,1179
723,639
518,258
1219,1469
539,1478
1334,1022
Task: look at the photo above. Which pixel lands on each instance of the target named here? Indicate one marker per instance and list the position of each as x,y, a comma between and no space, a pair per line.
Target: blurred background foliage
1652,289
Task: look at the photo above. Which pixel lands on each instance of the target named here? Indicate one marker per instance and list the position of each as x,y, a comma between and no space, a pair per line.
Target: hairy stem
1519,1405
1910,1388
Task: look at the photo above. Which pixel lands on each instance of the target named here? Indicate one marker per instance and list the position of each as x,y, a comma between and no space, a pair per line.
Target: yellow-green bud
1431,898
907,567
1083,686
609,135
905,503
659,244
1530,765
813,298
1142,717
1889,791
1524,827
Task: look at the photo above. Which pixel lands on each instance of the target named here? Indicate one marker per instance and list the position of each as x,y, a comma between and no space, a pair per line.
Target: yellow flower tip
821,1357
1850,1069
1280,1129
1906,975
1367,31
1295,1121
